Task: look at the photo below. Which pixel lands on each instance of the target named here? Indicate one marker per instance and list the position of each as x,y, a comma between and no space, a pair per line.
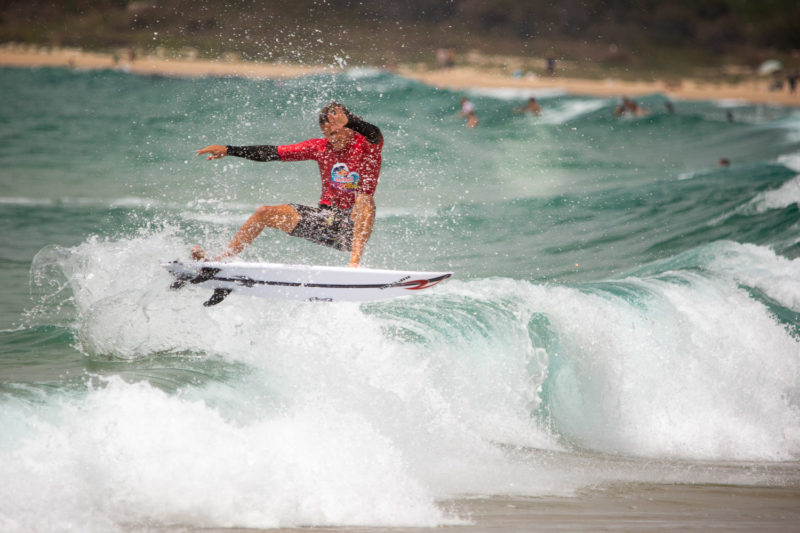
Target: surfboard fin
217,297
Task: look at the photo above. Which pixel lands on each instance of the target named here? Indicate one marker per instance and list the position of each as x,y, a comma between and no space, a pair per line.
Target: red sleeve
302,151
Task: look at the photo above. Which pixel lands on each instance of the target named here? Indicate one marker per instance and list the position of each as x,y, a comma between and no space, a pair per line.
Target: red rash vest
344,174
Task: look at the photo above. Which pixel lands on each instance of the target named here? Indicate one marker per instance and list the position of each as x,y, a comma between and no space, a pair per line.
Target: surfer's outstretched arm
363,216
266,152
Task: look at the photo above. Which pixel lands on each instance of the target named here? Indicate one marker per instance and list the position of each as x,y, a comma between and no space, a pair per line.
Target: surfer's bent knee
283,217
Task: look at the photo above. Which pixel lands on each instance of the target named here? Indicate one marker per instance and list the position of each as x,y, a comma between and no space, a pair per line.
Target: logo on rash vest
343,178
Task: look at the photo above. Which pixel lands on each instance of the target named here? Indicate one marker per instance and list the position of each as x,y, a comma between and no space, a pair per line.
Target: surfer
468,112
349,159
629,106
531,107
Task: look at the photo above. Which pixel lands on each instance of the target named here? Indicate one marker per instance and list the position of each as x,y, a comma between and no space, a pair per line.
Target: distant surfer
531,107
349,159
468,112
629,106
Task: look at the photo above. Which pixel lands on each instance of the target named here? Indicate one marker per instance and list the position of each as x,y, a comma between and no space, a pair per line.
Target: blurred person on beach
628,106
551,65
349,160
445,57
531,107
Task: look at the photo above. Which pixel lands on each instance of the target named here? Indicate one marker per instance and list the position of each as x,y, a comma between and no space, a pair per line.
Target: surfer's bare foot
198,254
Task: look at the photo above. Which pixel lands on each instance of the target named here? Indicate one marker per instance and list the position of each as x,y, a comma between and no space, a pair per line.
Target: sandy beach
630,508
755,91
12,56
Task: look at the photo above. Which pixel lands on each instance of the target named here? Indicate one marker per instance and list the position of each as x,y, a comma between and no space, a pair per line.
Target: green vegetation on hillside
639,36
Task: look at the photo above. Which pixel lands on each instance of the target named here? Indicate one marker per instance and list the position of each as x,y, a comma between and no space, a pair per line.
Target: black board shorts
324,225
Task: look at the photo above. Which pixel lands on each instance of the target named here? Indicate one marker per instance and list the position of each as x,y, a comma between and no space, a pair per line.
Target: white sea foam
759,267
696,368
359,73
132,201
791,161
570,110
352,414
125,311
784,196
509,93
126,202
390,212
136,454
22,200
336,423
213,218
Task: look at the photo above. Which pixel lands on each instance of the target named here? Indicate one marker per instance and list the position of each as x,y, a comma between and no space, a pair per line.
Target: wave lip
784,196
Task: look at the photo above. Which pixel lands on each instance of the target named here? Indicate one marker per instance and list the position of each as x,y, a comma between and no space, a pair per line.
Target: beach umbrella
770,66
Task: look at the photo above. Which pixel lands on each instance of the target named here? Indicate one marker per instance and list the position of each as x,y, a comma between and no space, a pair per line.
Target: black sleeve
265,152
371,132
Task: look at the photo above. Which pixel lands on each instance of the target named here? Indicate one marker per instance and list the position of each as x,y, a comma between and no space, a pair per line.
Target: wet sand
754,91
643,508
629,508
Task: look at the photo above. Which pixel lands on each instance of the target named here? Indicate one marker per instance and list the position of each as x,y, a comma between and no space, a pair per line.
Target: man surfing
349,160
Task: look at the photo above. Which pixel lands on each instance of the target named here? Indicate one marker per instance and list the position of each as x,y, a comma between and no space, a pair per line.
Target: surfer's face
340,138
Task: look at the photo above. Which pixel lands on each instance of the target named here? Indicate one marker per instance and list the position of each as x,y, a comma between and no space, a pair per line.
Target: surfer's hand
215,151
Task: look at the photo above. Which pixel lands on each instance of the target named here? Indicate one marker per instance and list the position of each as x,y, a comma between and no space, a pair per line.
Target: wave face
623,310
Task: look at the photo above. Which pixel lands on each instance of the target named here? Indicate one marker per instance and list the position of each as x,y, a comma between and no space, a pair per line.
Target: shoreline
755,91
636,508
751,92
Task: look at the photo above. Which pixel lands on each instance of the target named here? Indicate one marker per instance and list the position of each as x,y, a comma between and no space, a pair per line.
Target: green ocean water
623,309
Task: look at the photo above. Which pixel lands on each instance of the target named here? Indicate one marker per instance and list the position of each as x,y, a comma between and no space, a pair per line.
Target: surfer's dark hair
323,114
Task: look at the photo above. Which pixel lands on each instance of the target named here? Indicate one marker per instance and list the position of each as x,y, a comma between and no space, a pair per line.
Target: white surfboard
301,282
